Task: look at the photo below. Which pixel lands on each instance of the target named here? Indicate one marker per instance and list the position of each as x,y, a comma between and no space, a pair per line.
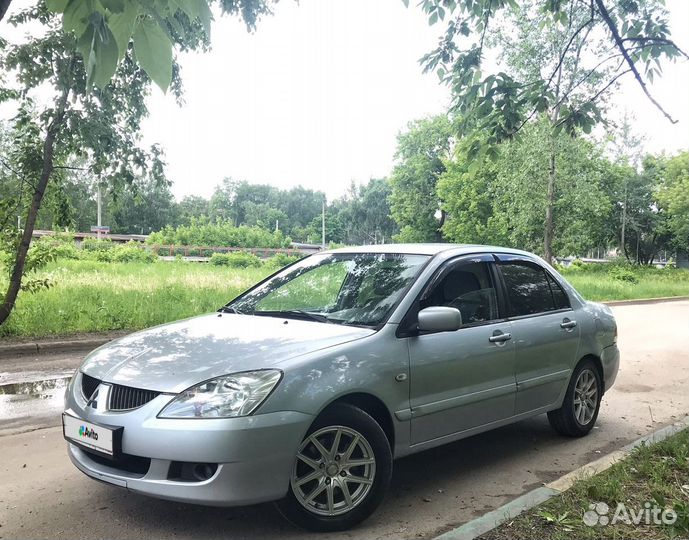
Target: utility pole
323,225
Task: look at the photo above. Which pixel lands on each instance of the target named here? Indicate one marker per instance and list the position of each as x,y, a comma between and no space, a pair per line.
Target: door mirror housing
439,319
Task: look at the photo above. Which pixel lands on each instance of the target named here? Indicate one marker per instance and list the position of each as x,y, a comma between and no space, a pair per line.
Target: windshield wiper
230,309
292,312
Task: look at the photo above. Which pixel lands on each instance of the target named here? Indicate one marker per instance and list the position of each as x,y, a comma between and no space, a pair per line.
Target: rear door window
527,287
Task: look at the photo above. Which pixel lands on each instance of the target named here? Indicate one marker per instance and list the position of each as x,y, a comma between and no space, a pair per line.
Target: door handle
499,338
567,324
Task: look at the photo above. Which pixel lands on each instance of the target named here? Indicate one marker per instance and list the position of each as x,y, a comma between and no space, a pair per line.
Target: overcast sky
317,95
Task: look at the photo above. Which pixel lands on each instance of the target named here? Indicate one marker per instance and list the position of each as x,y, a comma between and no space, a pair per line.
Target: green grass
90,296
597,283
656,474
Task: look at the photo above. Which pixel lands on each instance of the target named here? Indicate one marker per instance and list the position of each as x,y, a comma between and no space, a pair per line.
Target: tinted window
469,288
527,288
559,296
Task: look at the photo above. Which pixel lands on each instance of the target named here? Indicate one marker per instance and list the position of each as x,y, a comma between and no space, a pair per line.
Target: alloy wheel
585,397
334,471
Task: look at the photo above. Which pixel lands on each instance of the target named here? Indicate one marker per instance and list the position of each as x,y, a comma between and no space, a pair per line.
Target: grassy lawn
653,476
598,285
88,296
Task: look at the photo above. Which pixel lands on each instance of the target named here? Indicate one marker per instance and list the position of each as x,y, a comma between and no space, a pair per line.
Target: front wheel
341,472
579,410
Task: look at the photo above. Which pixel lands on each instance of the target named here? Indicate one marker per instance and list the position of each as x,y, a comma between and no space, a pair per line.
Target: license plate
102,439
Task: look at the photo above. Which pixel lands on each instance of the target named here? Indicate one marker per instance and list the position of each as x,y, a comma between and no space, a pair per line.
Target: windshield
343,288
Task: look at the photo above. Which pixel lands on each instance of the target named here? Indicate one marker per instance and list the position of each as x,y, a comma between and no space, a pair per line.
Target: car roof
428,249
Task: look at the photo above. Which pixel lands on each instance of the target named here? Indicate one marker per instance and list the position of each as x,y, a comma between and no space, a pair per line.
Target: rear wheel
579,410
341,472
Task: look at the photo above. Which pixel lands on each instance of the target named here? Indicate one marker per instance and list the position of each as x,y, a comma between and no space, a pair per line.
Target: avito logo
88,433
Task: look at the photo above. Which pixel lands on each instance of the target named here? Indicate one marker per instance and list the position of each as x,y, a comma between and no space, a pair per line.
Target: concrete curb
13,350
487,522
642,301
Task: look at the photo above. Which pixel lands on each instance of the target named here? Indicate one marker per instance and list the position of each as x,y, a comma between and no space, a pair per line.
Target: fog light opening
203,471
182,471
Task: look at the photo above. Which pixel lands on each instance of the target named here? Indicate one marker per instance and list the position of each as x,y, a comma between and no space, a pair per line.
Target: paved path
43,496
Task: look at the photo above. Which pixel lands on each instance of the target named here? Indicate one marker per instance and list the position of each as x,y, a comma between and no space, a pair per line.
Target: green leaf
406,3
75,17
115,6
106,58
57,6
154,52
205,16
122,26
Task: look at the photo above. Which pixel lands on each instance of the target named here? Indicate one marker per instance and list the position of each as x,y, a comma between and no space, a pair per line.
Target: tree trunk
20,260
550,203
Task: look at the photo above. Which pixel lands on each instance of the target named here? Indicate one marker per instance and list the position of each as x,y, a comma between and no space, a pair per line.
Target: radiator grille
123,398
88,385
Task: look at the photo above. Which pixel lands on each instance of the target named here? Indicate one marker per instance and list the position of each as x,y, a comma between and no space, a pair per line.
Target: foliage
361,216
106,30
266,206
282,259
621,273
607,38
502,200
237,259
421,152
142,207
673,196
222,233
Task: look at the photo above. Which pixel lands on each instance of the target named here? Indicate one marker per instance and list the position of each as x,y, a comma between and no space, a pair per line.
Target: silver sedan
305,388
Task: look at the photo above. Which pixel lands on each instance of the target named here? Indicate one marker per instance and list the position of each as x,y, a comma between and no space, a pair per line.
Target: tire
574,420
328,510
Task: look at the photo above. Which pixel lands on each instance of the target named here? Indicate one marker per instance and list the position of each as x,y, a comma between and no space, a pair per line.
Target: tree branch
566,49
620,45
654,40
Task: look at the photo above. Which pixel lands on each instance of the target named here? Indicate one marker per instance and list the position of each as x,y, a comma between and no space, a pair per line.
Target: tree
562,58
647,225
364,213
79,121
627,151
673,196
501,202
420,155
143,207
192,206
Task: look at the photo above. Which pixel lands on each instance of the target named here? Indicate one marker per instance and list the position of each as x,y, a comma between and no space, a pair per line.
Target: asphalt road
43,496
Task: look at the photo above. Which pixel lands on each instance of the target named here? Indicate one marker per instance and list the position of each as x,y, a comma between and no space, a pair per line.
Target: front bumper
254,454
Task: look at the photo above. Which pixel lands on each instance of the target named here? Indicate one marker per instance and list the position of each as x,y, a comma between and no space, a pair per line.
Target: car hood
175,356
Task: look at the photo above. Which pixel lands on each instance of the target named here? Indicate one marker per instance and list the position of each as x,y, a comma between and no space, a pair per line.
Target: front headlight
229,396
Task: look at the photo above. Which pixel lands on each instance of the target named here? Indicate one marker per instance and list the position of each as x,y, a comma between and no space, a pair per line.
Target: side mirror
439,319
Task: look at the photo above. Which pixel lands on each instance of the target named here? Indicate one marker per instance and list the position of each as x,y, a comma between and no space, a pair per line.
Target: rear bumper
254,454
610,359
